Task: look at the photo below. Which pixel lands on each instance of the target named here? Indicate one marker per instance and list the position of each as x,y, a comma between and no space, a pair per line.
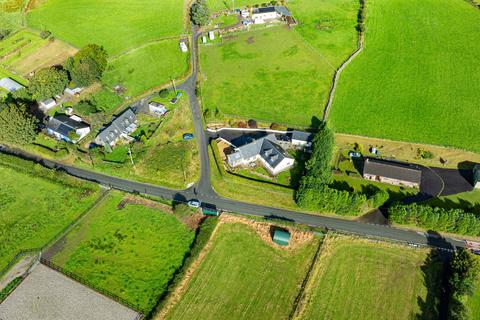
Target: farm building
266,149
119,127
46,105
392,172
10,85
183,46
281,237
267,14
71,129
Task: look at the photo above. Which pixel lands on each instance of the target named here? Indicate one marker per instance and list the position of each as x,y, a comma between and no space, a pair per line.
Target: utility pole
173,84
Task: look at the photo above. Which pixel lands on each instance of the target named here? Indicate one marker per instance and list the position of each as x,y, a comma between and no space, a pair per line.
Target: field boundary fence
244,118
89,284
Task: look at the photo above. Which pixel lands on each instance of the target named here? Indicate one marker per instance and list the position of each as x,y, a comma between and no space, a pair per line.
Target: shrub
45,34
48,82
200,13
88,65
164,93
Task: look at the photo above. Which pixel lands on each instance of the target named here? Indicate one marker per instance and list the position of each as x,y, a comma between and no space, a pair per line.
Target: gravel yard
49,295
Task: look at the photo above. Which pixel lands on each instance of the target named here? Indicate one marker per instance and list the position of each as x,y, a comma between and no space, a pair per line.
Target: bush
424,154
85,107
164,93
45,34
200,13
434,218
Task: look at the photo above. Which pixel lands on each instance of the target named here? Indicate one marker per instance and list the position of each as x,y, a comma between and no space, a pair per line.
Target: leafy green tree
17,126
200,13
47,82
88,65
464,272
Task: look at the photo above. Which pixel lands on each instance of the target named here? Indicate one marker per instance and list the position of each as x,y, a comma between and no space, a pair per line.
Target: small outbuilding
10,85
183,46
48,104
281,237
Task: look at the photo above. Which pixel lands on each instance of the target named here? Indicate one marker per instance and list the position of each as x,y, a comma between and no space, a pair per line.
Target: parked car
188,136
175,99
352,154
194,203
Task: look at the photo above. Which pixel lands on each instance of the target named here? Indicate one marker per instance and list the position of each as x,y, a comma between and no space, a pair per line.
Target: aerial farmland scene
239,159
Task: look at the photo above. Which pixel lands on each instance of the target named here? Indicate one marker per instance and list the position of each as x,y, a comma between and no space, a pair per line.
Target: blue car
188,136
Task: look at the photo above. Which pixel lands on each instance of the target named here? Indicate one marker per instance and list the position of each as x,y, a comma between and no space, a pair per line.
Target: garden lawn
220,5
132,252
117,25
360,279
269,74
33,210
147,67
243,277
418,76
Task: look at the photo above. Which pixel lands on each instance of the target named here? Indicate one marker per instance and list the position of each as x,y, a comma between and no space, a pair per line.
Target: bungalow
48,104
119,127
71,129
10,85
266,149
156,109
392,172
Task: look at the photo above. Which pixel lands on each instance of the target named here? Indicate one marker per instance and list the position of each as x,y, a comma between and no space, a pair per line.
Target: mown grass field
25,52
117,25
146,67
243,277
34,209
359,279
132,252
279,74
473,303
417,79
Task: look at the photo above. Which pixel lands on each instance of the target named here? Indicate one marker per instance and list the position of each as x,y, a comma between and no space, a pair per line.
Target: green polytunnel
281,237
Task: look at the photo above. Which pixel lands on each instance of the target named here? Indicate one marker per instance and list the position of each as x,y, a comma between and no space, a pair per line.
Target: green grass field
132,252
473,303
279,74
117,25
11,14
414,80
147,67
243,277
358,279
265,74
34,210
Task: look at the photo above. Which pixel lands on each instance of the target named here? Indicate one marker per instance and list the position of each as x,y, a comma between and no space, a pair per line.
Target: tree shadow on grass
431,306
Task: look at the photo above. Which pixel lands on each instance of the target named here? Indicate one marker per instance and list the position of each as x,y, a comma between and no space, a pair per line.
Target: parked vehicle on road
194,203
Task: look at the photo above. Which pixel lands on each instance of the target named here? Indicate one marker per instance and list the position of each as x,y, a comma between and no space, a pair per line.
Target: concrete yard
49,295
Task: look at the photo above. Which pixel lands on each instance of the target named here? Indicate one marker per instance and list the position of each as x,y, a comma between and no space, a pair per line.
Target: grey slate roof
301,136
392,169
266,147
63,124
283,11
265,10
117,127
10,85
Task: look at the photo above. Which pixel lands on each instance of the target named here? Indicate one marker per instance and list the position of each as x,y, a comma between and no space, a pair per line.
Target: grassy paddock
24,52
355,278
34,209
124,24
132,252
413,81
243,277
266,74
147,67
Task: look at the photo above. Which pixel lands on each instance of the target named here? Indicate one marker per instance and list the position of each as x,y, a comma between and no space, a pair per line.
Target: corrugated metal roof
10,85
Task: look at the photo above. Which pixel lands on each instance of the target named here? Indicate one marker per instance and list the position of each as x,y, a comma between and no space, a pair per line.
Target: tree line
434,218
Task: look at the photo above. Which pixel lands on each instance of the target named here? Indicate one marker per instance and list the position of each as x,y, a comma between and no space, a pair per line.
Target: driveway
455,180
